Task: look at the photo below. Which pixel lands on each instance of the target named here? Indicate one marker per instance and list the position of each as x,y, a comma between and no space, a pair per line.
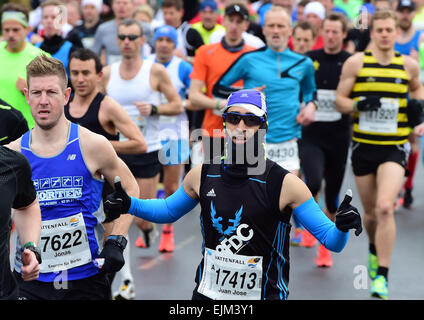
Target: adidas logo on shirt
211,193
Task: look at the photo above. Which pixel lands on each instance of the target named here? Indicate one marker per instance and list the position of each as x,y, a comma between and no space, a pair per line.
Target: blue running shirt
70,199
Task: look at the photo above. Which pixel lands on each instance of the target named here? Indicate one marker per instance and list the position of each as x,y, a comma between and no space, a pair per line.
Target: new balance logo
211,193
71,157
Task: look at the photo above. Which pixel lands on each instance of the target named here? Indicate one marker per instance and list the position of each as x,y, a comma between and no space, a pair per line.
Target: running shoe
148,238
296,239
126,292
407,198
372,265
379,288
308,240
167,240
323,257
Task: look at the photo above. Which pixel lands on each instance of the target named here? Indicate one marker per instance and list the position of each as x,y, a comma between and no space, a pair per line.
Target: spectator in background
143,13
249,37
73,13
54,43
330,7
105,44
208,23
15,54
91,10
358,38
189,39
286,4
315,14
299,13
303,38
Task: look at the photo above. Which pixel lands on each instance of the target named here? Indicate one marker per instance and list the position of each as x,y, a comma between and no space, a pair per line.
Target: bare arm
198,99
104,80
416,90
102,159
351,67
162,83
112,112
294,192
28,225
28,222
191,182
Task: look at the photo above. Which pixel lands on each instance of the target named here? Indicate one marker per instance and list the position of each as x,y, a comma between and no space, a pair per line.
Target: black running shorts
366,157
144,165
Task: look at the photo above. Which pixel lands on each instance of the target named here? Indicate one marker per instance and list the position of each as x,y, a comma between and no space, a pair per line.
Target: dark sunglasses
250,120
130,37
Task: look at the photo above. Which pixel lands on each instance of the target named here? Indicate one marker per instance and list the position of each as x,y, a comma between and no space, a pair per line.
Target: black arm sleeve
26,193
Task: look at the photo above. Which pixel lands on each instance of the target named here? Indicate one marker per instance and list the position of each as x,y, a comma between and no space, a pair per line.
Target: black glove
118,202
347,216
414,111
113,253
371,103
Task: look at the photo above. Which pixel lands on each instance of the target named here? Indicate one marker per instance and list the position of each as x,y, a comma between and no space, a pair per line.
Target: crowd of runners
134,111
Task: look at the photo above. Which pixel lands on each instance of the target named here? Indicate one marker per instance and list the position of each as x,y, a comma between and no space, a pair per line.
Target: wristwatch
32,247
154,110
121,241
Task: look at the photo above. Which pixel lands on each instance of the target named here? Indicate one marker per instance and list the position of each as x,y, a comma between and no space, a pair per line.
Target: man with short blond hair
68,164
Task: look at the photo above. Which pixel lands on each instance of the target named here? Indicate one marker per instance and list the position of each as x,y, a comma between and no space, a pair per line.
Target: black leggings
326,160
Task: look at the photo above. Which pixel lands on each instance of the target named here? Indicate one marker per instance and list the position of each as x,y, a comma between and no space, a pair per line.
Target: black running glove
414,112
347,216
371,103
118,202
113,253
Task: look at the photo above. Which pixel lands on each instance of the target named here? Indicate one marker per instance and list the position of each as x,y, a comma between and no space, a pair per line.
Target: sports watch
121,241
32,247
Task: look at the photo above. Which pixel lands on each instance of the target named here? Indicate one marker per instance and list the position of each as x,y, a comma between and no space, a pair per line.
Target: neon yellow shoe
379,288
372,265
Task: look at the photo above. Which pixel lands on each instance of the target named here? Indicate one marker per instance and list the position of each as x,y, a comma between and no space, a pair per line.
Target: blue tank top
69,197
405,48
62,54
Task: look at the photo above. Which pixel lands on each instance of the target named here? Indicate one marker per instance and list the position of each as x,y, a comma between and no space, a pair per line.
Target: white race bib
228,276
64,244
326,111
286,154
383,120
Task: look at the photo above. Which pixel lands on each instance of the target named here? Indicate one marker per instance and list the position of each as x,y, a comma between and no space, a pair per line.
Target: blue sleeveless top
65,188
405,48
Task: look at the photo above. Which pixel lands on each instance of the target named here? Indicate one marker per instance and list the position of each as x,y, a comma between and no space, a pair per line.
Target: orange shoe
139,243
167,240
308,240
323,257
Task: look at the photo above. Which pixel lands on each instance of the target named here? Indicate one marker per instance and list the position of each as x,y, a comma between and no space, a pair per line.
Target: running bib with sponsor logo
64,244
228,276
326,111
286,154
383,120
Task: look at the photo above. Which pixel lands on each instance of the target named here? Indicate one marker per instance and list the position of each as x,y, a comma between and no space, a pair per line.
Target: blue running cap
252,100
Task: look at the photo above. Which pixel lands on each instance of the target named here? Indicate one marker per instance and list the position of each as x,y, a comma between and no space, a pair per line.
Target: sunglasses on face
250,120
130,37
